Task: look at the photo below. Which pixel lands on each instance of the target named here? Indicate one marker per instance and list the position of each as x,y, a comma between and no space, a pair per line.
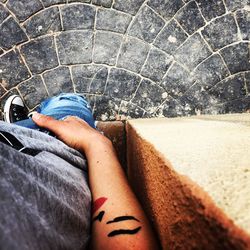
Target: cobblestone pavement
132,58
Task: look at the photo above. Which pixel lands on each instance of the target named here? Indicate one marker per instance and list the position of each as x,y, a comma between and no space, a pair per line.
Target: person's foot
15,110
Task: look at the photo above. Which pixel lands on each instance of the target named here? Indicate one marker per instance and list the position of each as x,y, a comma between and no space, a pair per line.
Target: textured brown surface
184,215
115,131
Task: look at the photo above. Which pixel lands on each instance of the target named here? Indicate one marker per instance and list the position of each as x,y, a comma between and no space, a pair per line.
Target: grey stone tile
146,25
237,57
166,8
112,20
156,65
149,96
12,70
104,3
233,5
24,9
58,81
130,110
90,78
106,108
211,9
133,54
75,47
80,1
177,80
197,99
122,84
52,2
221,32
40,54
236,106
11,34
3,13
193,51
128,6
170,108
247,78
243,18
170,38
230,89
190,18
45,22
2,90
211,71
106,49
33,91
78,16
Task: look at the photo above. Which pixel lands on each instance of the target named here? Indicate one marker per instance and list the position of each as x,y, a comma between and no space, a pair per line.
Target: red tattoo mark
98,203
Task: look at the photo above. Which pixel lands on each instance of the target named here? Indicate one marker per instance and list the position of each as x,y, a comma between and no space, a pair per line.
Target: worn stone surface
107,45
29,90
106,108
146,25
211,71
167,9
75,47
45,22
104,3
112,20
170,38
58,80
221,32
40,54
170,108
122,84
237,57
196,47
90,78
247,79
78,16
103,48
12,70
52,2
129,110
3,13
233,5
211,9
230,89
11,34
133,54
243,18
190,17
24,9
149,96
156,65
128,6
177,80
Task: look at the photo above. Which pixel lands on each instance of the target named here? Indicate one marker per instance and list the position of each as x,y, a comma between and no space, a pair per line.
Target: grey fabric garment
45,201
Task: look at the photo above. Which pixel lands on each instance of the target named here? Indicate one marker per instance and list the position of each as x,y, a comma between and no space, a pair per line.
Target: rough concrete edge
231,234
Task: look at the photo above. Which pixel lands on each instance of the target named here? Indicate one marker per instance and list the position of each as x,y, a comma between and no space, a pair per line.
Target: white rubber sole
6,109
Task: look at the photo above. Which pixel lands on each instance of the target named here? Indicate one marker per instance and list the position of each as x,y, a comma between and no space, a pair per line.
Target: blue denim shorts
61,106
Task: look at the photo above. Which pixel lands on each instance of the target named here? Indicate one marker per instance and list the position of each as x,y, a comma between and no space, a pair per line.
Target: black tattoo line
122,218
99,216
124,231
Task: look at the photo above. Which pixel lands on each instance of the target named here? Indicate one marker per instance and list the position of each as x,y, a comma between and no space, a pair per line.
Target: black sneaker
15,110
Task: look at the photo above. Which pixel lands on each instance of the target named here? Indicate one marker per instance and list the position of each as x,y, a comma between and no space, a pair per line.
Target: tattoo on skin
124,231
98,203
122,218
99,216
